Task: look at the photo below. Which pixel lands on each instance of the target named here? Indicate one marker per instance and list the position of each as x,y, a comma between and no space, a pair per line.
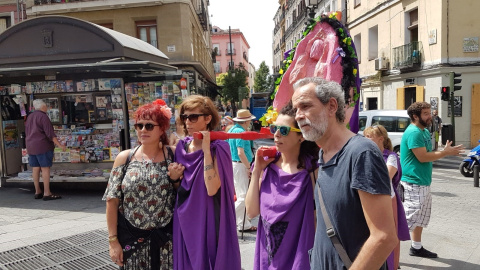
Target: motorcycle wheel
464,170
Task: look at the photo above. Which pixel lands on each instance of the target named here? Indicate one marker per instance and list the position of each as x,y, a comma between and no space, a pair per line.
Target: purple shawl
286,225
204,228
402,233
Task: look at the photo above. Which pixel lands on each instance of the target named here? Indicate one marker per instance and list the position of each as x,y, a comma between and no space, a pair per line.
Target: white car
394,121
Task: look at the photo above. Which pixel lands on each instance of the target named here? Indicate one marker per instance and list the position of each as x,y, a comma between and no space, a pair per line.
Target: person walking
281,191
204,235
40,141
416,157
352,180
378,134
242,156
436,129
140,198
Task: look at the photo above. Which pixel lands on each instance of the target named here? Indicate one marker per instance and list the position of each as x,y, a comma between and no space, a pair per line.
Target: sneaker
422,253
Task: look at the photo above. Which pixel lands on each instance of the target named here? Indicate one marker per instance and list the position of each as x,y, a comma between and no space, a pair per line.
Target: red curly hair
156,112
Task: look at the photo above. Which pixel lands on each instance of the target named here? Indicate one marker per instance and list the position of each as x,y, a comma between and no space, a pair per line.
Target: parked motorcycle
466,167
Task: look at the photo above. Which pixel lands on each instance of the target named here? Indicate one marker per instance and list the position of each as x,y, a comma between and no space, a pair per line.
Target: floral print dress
148,201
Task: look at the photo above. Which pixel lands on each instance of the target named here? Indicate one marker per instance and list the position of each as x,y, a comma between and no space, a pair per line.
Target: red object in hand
246,135
268,152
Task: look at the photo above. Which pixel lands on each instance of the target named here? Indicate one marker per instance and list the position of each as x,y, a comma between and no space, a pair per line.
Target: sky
254,18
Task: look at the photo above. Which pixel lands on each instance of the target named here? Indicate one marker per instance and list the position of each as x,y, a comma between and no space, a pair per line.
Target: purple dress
403,232
204,228
286,226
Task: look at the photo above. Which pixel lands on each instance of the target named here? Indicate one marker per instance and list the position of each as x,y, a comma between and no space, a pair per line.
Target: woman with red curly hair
140,197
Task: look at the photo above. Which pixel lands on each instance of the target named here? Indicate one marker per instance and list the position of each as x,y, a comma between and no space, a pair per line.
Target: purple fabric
403,232
39,133
286,226
354,120
199,242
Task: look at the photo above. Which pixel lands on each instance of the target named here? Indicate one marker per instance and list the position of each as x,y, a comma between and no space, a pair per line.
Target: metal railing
408,55
230,52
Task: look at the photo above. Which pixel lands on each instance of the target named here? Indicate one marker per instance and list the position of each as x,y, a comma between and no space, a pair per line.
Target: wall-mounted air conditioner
381,63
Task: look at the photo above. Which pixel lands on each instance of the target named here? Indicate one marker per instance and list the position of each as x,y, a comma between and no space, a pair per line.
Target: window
357,40
362,122
373,43
392,123
357,3
230,50
231,65
413,26
4,23
216,47
147,31
216,67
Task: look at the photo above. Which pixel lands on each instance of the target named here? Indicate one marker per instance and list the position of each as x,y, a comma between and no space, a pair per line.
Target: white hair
38,104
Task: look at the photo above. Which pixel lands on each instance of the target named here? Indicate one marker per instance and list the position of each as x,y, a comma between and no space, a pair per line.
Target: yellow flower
284,61
355,71
289,61
280,72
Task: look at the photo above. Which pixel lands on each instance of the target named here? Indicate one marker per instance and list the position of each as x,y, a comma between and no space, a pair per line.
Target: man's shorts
437,136
42,160
417,205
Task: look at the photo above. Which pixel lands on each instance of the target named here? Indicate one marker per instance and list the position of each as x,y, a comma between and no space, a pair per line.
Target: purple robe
286,226
403,232
204,228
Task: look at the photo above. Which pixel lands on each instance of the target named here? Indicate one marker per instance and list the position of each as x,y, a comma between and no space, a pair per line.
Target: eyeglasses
148,126
284,130
192,117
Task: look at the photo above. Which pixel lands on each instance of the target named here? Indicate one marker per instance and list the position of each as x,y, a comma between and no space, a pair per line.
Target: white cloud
254,18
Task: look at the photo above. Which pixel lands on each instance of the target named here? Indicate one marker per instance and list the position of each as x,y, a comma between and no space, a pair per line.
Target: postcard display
140,93
87,116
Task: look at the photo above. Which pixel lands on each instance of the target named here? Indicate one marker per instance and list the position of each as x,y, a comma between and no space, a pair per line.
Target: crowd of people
327,200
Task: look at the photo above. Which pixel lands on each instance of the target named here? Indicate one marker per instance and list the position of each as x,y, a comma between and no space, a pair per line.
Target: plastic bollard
475,175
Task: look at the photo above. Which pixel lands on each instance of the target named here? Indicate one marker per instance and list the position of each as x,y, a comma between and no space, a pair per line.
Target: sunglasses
192,117
148,126
284,130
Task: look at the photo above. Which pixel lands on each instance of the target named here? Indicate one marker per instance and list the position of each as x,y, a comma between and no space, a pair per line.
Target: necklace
148,161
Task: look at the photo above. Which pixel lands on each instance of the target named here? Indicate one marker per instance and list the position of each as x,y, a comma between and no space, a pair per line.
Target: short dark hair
416,109
206,106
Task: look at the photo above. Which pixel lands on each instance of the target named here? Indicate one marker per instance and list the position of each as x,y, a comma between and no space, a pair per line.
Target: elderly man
352,179
242,156
40,140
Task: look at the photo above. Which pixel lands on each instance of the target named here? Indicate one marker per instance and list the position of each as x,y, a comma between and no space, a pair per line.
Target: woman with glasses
378,134
140,198
204,228
281,191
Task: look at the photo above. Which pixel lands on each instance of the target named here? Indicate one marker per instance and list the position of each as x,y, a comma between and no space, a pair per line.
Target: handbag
331,232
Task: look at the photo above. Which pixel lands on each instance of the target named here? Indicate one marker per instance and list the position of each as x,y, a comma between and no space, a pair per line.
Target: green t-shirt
234,143
414,171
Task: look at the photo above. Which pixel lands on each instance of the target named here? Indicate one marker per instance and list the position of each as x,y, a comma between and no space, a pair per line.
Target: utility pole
454,87
231,50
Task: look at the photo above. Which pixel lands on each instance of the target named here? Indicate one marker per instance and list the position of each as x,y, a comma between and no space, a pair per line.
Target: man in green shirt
416,158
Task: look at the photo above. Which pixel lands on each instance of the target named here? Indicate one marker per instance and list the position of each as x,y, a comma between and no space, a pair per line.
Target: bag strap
125,166
331,232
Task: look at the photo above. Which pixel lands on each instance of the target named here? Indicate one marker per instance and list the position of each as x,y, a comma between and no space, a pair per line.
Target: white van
394,121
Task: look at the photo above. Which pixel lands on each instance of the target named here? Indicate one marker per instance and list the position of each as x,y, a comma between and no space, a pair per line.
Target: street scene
226,134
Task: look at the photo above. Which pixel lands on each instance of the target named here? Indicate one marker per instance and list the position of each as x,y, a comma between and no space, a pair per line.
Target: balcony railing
202,16
230,52
408,55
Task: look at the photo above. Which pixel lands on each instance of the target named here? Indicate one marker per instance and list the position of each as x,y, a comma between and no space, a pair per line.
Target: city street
71,233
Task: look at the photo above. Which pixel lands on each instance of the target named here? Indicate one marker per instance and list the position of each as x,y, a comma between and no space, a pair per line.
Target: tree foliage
221,79
232,84
263,80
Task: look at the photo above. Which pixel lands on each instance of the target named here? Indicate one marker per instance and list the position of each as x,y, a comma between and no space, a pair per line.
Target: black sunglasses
148,126
284,130
192,117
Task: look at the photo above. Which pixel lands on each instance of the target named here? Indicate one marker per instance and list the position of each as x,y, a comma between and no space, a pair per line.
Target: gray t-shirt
359,165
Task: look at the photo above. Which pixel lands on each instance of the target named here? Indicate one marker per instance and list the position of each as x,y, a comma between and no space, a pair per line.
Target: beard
424,123
318,127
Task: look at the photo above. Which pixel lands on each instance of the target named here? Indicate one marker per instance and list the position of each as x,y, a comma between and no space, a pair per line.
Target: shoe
38,196
51,197
422,253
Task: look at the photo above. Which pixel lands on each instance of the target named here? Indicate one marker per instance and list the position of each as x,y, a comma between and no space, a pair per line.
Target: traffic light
454,82
445,93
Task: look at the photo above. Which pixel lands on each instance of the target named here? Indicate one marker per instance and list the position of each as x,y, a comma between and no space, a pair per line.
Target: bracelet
173,181
112,238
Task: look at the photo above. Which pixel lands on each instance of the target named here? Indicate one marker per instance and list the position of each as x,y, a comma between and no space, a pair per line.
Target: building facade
179,28
407,50
11,12
229,57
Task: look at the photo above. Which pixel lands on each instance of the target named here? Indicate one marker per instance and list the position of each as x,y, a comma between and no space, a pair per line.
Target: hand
116,253
205,141
175,170
64,148
453,150
260,162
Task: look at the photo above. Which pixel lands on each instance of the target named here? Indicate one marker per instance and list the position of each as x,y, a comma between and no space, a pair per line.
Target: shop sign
183,83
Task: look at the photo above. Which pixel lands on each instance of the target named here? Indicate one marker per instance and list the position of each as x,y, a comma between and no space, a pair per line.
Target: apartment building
231,48
407,50
11,12
179,28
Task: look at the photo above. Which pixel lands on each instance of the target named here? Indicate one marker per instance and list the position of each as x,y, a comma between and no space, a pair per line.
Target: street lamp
311,5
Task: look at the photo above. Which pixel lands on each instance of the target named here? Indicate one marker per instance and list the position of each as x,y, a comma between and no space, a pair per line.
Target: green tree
221,79
234,82
263,79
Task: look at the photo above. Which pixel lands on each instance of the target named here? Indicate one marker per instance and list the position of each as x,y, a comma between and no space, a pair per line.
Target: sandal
38,196
51,197
251,229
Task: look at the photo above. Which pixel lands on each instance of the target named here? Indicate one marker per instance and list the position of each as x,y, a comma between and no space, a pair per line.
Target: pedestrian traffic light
454,82
445,93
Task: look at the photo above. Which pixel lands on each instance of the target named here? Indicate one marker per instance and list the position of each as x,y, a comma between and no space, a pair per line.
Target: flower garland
346,52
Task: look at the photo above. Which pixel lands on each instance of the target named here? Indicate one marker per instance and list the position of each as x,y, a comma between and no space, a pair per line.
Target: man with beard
352,179
416,158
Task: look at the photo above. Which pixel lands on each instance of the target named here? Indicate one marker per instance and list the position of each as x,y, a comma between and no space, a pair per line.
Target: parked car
394,121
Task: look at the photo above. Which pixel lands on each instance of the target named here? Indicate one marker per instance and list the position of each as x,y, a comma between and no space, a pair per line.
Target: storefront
92,79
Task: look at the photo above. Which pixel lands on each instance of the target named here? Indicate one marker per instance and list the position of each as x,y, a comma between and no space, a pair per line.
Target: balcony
408,56
230,52
202,16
